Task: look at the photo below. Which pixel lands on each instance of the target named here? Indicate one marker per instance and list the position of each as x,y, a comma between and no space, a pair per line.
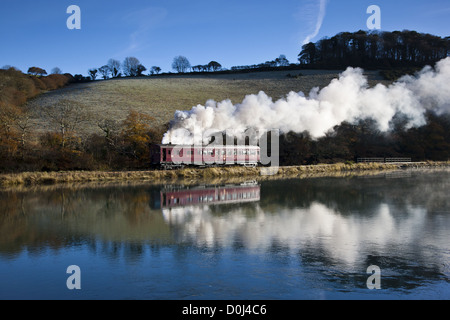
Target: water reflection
333,227
181,196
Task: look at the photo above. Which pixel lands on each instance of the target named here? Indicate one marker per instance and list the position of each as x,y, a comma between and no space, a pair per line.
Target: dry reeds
162,176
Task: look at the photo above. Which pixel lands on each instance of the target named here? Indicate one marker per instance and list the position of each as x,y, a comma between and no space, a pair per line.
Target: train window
208,152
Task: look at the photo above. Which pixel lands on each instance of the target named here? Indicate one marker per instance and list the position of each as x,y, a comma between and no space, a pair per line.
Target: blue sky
232,32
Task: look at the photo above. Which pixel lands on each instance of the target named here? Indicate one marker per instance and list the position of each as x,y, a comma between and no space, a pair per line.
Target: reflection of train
173,197
171,156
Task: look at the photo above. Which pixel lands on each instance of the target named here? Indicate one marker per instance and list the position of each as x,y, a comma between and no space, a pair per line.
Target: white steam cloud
348,98
320,17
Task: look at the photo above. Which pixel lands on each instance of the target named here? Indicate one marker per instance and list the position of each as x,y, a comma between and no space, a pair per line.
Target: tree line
132,67
375,50
281,61
406,51
349,141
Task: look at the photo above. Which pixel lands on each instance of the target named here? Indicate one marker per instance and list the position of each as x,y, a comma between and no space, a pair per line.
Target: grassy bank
208,174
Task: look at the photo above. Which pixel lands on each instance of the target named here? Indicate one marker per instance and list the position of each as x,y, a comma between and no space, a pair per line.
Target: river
294,239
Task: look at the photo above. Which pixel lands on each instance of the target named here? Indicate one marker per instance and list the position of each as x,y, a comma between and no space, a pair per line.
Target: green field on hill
161,96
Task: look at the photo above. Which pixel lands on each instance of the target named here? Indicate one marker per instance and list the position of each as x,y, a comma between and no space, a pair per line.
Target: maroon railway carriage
172,156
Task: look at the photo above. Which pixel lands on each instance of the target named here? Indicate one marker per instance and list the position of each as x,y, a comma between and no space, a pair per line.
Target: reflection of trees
129,251
136,209
340,226
63,217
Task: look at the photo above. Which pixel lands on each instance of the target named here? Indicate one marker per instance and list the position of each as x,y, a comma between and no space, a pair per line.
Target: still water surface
290,239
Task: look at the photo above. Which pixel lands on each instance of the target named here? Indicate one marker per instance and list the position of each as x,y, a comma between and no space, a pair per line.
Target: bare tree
130,66
56,71
111,130
105,71
24,124
114,66
9,116
181,64
66,116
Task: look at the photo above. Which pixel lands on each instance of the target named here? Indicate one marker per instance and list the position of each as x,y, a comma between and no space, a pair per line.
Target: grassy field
161,96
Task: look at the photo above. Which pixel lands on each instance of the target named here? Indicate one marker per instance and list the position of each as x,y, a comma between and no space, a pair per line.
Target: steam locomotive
169,156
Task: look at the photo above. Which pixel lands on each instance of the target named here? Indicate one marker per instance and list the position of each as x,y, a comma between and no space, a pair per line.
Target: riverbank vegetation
210,174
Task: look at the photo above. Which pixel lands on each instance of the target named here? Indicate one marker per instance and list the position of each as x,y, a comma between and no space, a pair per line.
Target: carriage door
164,153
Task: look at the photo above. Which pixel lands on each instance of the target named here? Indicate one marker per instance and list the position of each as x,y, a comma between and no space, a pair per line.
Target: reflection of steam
343,238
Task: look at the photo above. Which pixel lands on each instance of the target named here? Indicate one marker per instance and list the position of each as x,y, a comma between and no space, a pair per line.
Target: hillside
105,125
161,96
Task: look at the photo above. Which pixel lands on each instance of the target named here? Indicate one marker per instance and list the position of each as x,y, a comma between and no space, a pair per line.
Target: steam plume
348,98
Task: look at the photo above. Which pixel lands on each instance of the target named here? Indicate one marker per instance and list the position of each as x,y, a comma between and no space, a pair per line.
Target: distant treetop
181,64
37,71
